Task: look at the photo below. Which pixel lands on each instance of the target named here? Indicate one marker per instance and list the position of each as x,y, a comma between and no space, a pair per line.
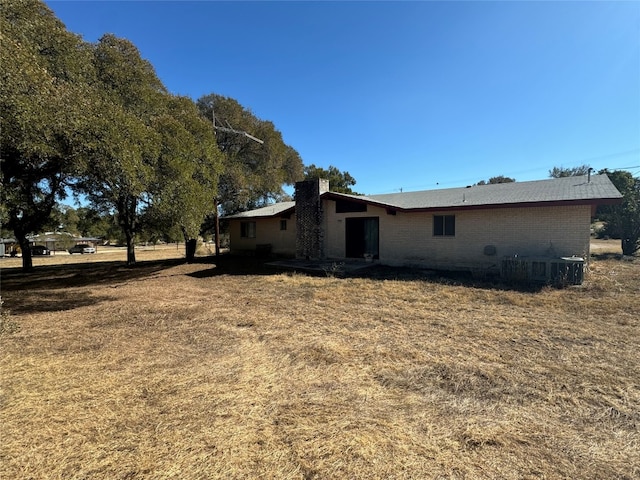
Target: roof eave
485,206
288,211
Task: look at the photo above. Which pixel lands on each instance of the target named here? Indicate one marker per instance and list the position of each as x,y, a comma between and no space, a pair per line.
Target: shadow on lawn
61,287
233,265
246,265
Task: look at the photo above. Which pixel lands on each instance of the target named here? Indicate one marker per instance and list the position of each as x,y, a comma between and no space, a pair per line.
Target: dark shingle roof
597,189
568,189
268,211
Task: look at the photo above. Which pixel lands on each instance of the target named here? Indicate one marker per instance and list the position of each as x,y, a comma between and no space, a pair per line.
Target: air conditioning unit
557,271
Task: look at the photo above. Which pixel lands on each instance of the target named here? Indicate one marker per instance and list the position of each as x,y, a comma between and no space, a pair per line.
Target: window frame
350,206
444,225
248,229
283,224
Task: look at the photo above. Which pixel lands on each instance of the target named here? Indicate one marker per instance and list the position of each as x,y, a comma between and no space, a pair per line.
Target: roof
582,190
577,190
272,210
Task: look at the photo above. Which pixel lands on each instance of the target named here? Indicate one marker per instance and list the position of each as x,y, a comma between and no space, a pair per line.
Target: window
444,225
283,224
347,206
248,229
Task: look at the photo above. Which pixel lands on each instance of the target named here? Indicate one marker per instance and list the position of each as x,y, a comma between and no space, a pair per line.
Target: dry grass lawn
168,370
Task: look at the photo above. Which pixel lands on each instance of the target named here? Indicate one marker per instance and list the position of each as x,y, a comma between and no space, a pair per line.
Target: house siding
283,242
407,237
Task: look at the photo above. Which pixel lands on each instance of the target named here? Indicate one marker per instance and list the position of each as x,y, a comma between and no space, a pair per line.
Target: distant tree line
495,180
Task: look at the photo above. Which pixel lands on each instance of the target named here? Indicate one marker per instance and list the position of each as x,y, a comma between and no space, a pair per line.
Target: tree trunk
217,229
190,249
27,261
126,207
131,248
189,246
629,246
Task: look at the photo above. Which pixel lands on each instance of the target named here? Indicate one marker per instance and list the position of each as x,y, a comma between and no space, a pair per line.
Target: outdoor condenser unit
557,271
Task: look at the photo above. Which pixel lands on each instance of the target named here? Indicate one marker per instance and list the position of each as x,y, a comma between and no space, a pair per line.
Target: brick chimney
310,218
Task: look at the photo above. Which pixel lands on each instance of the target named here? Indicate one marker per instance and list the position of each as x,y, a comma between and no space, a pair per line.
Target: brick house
470,228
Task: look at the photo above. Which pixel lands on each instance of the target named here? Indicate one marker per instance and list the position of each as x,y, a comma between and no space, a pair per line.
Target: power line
469,180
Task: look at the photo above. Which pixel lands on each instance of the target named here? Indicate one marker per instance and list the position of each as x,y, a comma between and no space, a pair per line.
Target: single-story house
472,228
61,241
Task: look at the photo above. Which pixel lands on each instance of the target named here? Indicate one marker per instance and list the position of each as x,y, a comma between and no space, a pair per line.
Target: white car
82,248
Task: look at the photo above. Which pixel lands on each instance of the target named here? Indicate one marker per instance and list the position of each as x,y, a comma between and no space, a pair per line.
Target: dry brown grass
170,370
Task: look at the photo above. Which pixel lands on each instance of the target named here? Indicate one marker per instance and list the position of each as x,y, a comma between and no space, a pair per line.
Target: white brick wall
407,238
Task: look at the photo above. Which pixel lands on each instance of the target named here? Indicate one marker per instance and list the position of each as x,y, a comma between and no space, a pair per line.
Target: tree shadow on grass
31,302
612,256
62,287
247,265
234,265
451,278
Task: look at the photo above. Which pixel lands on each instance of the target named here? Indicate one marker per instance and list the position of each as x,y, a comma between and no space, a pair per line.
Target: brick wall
407,238
310,221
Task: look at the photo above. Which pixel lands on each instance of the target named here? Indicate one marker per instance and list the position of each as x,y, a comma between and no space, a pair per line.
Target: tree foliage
123,155
560,172
92,223
97,119
253,173
44,92
495,180
623,221
187,172
123,144
63,218
340,182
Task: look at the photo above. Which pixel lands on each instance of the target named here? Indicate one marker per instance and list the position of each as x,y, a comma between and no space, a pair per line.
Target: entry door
361,237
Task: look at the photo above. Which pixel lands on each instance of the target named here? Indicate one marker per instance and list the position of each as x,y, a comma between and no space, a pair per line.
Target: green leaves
96,118
340,182
560,172
495,180
187,170
623,221
126,78
253,172
44,76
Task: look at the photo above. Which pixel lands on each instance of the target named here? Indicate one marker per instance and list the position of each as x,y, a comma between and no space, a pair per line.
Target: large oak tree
124,146
186,174
253,172
44,95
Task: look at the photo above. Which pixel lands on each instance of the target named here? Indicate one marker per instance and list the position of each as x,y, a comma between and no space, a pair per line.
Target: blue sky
405,95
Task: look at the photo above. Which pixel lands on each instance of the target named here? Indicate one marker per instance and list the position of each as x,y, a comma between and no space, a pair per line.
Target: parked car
40,250
82,248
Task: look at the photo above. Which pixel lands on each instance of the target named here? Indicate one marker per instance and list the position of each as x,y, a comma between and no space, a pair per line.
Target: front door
361,237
